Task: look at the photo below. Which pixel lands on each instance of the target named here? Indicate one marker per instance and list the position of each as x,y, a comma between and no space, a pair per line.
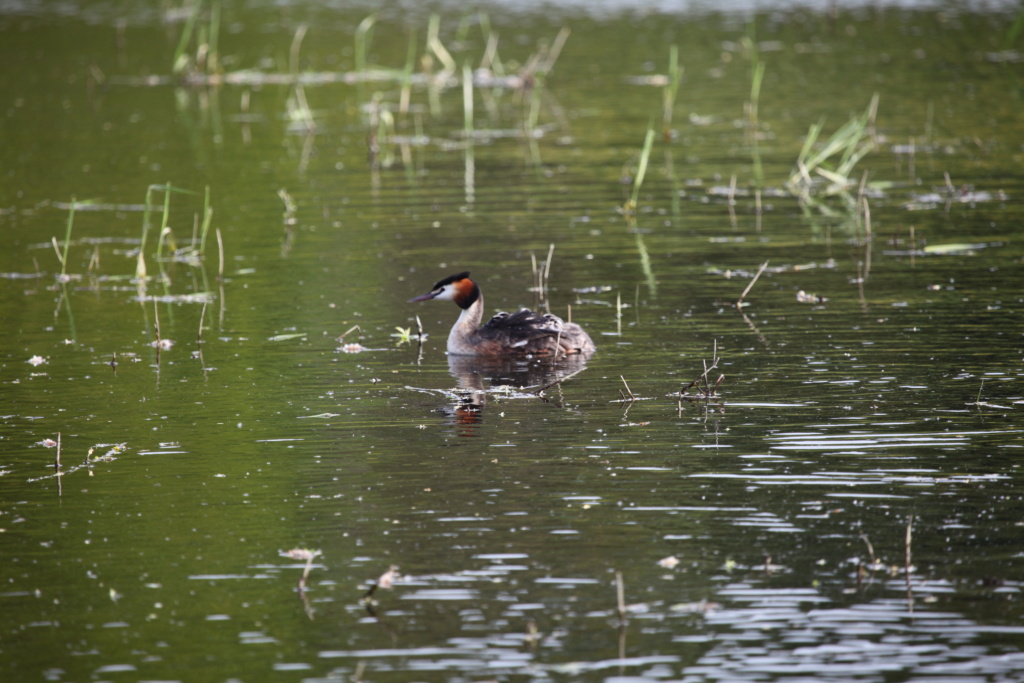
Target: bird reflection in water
524,378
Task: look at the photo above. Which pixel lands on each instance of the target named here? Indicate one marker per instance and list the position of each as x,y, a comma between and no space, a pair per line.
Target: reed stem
220,256
620,597
670,92
207,218
739,302
467,103
62,256
364,33
641,171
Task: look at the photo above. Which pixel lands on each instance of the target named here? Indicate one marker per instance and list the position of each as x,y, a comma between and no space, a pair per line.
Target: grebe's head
458,288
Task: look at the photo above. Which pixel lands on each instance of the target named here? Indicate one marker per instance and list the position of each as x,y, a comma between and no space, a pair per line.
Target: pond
232,449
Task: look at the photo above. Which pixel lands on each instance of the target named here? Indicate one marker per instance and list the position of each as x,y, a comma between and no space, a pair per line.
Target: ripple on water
776,634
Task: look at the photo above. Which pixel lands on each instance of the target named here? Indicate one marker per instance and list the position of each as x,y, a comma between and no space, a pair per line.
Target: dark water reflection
846,507
510,377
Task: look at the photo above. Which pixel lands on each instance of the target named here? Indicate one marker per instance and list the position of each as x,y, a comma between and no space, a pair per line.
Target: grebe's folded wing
523,323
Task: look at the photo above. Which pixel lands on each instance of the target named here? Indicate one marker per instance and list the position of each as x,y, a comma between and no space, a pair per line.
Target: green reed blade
641,170
67,240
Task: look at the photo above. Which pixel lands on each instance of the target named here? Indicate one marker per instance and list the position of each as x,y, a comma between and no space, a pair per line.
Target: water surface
847,505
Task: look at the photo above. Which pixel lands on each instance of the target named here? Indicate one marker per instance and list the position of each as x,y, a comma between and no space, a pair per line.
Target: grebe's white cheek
447,293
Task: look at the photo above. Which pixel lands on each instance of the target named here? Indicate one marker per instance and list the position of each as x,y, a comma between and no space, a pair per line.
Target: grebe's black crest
450,279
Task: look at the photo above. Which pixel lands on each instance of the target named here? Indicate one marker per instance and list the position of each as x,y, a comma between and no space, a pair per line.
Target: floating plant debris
808,298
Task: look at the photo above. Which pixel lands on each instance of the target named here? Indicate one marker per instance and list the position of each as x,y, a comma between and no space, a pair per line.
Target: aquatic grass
299,112
158,343
468,149
62,255
754,103
465,24
533,115
94,260
296,46
490,60
407,71
181,60
164,221
670,92
207,219
65,300
199,336
195,252
166,237
871,549
834,161
438,49
757,78
434,68
212,39
641,171
541,273
730,201
467,102
403,334
289,206
620,598
864,208
362,39
645,263
206,59
630,208
1014,30
382,131
220,257
678,190
618,313
908,565
537,71
167,189
491,79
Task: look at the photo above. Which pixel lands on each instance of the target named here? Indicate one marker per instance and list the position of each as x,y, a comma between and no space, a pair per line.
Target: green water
210,417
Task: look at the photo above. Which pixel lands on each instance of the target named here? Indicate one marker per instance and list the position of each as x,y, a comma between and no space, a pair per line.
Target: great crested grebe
523,333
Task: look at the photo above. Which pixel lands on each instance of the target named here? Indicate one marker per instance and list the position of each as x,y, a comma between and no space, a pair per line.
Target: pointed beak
423,297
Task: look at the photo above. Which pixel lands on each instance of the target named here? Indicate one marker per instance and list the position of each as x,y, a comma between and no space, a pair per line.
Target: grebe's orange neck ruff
458,288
